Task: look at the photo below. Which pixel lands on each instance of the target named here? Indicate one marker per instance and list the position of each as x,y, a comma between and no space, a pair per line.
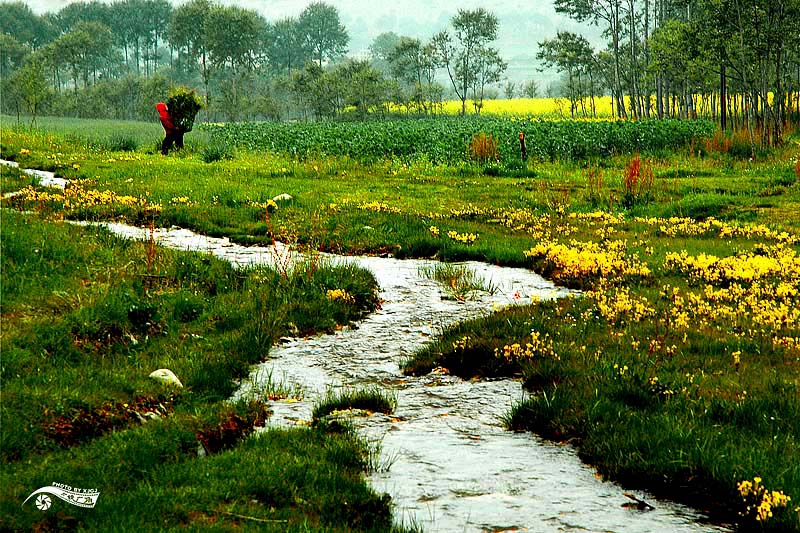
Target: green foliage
183,105
121,143
217,150
443,140
372,399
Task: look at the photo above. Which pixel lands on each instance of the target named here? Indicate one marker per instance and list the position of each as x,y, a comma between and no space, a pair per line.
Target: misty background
522,25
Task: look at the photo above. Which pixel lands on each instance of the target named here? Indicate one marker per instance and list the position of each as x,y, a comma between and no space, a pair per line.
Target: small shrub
741,146
594,177
188,307
638,183
483,148
217,151
720,143
491,170
121,143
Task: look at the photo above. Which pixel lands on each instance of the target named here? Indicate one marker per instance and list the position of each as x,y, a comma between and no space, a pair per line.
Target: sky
523,23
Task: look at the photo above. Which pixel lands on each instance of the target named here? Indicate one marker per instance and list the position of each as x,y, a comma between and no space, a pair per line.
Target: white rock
282,198
167,376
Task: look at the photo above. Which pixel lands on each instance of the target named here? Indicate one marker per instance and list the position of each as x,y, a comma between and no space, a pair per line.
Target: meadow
675,371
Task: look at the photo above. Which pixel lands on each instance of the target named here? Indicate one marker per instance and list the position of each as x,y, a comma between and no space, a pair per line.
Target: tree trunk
621,112
723,98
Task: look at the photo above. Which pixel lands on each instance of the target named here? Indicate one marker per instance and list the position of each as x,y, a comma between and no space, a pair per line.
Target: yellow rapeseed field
544,107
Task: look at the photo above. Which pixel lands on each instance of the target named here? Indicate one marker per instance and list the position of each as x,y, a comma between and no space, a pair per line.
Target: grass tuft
372,399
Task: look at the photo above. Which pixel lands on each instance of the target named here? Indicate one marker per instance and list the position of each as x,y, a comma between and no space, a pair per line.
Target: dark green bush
217,151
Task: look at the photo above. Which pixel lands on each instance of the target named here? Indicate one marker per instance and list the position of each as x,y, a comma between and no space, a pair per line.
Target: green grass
87,316
708,422
373,399
459,281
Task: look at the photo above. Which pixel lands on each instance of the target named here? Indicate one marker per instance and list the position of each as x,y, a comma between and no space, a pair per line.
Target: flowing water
448,463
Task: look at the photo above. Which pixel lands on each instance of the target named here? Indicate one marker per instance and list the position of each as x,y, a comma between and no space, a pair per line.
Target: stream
446,459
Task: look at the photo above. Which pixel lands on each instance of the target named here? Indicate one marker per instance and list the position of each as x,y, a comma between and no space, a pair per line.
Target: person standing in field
173,135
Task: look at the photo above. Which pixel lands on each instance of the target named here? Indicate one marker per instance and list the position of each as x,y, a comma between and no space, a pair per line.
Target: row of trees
737,61
86,44
90,59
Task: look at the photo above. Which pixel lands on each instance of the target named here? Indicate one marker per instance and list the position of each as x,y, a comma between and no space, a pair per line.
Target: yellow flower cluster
760,501
620,370
780,263
469,212
77,196
688,227
791,344
601,217
378,207
464,238
618,304
542,227
463,343
181,200
434,231
24,151
269,205
755,308
124,157
340,294
539,346
581,260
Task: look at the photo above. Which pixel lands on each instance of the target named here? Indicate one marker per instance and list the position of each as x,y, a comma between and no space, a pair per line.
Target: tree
187,33
530,89
21,23
156,18
32,86
237,52
473,31
317,90
597,11
286,46
510,89
414,65
365,86
572,54
323,34
12,55
76,12
488,69
382,48
83,51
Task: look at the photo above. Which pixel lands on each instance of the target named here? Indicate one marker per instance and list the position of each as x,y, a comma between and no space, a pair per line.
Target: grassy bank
87,316
676,371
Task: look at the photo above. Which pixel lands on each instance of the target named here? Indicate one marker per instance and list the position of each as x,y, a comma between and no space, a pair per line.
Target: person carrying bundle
177,116
173,134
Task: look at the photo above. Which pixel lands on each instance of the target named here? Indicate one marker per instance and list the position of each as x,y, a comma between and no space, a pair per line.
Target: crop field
448,140
539,107
676,371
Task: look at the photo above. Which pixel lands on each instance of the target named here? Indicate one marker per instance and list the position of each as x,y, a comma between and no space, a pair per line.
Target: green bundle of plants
183,105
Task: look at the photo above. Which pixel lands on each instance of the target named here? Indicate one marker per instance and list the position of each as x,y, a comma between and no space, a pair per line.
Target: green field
448,140
677,371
